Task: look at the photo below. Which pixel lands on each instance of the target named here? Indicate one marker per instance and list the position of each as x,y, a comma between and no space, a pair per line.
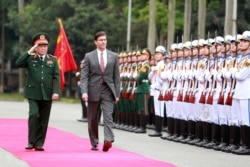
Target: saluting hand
32,50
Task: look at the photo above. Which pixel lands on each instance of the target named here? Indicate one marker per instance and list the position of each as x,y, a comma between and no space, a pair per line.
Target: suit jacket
43,76
92,76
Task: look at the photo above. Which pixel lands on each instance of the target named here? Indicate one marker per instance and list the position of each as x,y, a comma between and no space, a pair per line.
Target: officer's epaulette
52,56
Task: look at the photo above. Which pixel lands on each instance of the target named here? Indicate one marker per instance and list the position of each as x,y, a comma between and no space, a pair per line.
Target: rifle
127,92
211,92
134,71
195,85
195,82
186,97
159,70
203,93
223,87
180,93
229,98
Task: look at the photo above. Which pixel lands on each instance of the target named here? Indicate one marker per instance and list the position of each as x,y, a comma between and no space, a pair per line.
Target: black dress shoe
83,120
243,150
211,144
94,148
39,148
140,130
29,147
230,148
155,134
221,146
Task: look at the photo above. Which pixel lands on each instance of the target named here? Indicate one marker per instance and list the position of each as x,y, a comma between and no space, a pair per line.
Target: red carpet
63,149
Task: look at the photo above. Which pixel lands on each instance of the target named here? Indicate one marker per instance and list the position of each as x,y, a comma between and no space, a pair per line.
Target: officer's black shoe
152,126
29,146
165,137
211,144
243,150
39,148
140,130
173,137
202,143
196,140
82,120
220,147
180,138
155,134
230,148
188,139
165,129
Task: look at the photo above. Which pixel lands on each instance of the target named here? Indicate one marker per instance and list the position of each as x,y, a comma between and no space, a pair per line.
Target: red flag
64,55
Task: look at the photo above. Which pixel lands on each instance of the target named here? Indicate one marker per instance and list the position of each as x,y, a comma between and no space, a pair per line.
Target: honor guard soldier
142,90
223,110
242,94
186,107
234,116
167,76
156,88
124,80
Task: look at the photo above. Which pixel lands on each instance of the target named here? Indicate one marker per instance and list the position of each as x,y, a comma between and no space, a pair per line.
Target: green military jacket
43,76
142,78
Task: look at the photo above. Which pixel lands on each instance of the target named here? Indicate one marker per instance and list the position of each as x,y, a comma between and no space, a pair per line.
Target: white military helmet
246,35
195,43
209,42
173,47
201,42
179,46
161,49
228,39
187,45
218,40
237,38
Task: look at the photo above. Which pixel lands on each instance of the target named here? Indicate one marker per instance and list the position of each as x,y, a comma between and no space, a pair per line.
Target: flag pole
60,22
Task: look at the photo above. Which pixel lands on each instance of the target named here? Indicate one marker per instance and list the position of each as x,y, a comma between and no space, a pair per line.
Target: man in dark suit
100,86
41,87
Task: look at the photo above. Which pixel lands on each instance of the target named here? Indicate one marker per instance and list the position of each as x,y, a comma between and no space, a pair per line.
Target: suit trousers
39,113
106,104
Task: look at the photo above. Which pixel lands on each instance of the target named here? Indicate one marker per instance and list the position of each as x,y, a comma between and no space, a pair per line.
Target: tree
171,22
151,26
187,20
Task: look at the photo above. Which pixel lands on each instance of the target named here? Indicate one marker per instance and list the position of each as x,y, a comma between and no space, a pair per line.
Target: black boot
234,139
244,149
183,131
191,132
198,133
176,130
224,138
170,124
158,127
143,122
206,134
215,136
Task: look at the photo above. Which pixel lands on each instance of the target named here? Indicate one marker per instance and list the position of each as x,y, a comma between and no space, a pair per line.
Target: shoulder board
52,56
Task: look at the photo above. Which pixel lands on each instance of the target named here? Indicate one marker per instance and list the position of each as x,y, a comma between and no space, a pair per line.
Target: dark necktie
102,62
41,58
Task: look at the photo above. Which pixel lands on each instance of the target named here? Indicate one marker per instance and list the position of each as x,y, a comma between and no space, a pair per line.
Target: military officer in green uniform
41,87
142,91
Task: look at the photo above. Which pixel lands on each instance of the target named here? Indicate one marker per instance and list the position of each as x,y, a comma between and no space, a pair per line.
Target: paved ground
64,117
